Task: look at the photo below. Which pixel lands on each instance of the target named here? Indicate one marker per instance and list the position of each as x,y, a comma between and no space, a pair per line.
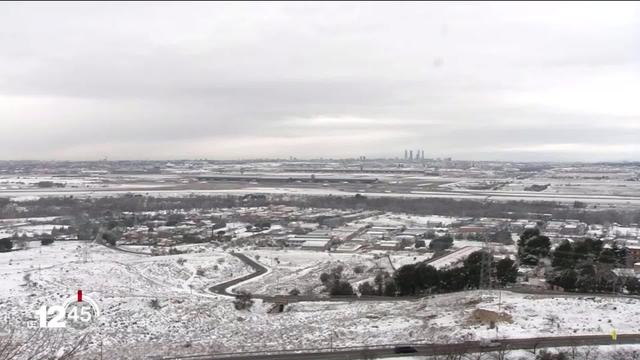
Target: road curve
221,288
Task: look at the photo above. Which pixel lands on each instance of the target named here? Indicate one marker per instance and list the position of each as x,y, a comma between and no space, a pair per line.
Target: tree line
582,265
69,205
422,278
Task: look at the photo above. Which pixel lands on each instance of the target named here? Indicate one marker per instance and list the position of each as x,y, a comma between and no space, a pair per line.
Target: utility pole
485,266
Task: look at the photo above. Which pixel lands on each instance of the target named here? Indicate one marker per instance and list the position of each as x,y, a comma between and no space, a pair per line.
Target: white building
316,244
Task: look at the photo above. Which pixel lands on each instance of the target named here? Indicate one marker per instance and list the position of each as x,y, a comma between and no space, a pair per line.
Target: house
435,223
634,253
624,273
317,234
389,245
554,226
299,240
419,233
317,244
295,241
471,229
348,247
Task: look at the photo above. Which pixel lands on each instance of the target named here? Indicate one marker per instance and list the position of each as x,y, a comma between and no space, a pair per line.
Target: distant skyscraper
410,154
406,154
422,155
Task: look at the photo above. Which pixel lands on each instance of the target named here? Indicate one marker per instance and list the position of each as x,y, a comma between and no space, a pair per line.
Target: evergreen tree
506,271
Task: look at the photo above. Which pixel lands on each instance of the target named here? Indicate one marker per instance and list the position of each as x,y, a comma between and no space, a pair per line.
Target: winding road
222,288
259,269
387,351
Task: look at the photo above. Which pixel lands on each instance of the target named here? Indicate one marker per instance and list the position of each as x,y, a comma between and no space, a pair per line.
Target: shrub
324,278
155,304
390,288
243,301
441,243
366,288
6,244
46,241
547,355
341,287
294,292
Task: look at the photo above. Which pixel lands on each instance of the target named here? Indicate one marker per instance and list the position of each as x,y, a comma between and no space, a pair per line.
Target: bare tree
625,354
476,356
590,353
500,353
39,345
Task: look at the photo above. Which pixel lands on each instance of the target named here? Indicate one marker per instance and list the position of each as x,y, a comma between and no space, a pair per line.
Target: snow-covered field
191,320
617,352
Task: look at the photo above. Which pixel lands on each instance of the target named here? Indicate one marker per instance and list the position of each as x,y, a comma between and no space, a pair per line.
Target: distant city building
317,244
389,245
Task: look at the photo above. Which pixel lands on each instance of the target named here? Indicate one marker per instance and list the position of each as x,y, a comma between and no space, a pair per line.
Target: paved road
386,351
241,189
258,270
127,251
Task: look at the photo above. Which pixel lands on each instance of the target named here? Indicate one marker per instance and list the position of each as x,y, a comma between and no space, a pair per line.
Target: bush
547,355
441,243
243,301
358,269
341,287
174,219
46,241
506,271
390,288
110,237
6,244
324,278
366,289
155,304
633,285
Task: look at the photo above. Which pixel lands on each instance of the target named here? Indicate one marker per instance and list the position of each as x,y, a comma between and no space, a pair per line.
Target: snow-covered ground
191,320
616,352
301,269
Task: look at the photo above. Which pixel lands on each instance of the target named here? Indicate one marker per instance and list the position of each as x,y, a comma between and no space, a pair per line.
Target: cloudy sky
538,81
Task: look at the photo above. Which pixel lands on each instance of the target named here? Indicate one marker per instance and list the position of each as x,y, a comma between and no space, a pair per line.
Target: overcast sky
538,81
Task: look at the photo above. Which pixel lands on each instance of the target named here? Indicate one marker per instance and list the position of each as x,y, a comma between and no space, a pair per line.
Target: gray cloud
223,80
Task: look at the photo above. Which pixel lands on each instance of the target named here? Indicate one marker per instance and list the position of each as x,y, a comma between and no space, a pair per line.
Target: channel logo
78,312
